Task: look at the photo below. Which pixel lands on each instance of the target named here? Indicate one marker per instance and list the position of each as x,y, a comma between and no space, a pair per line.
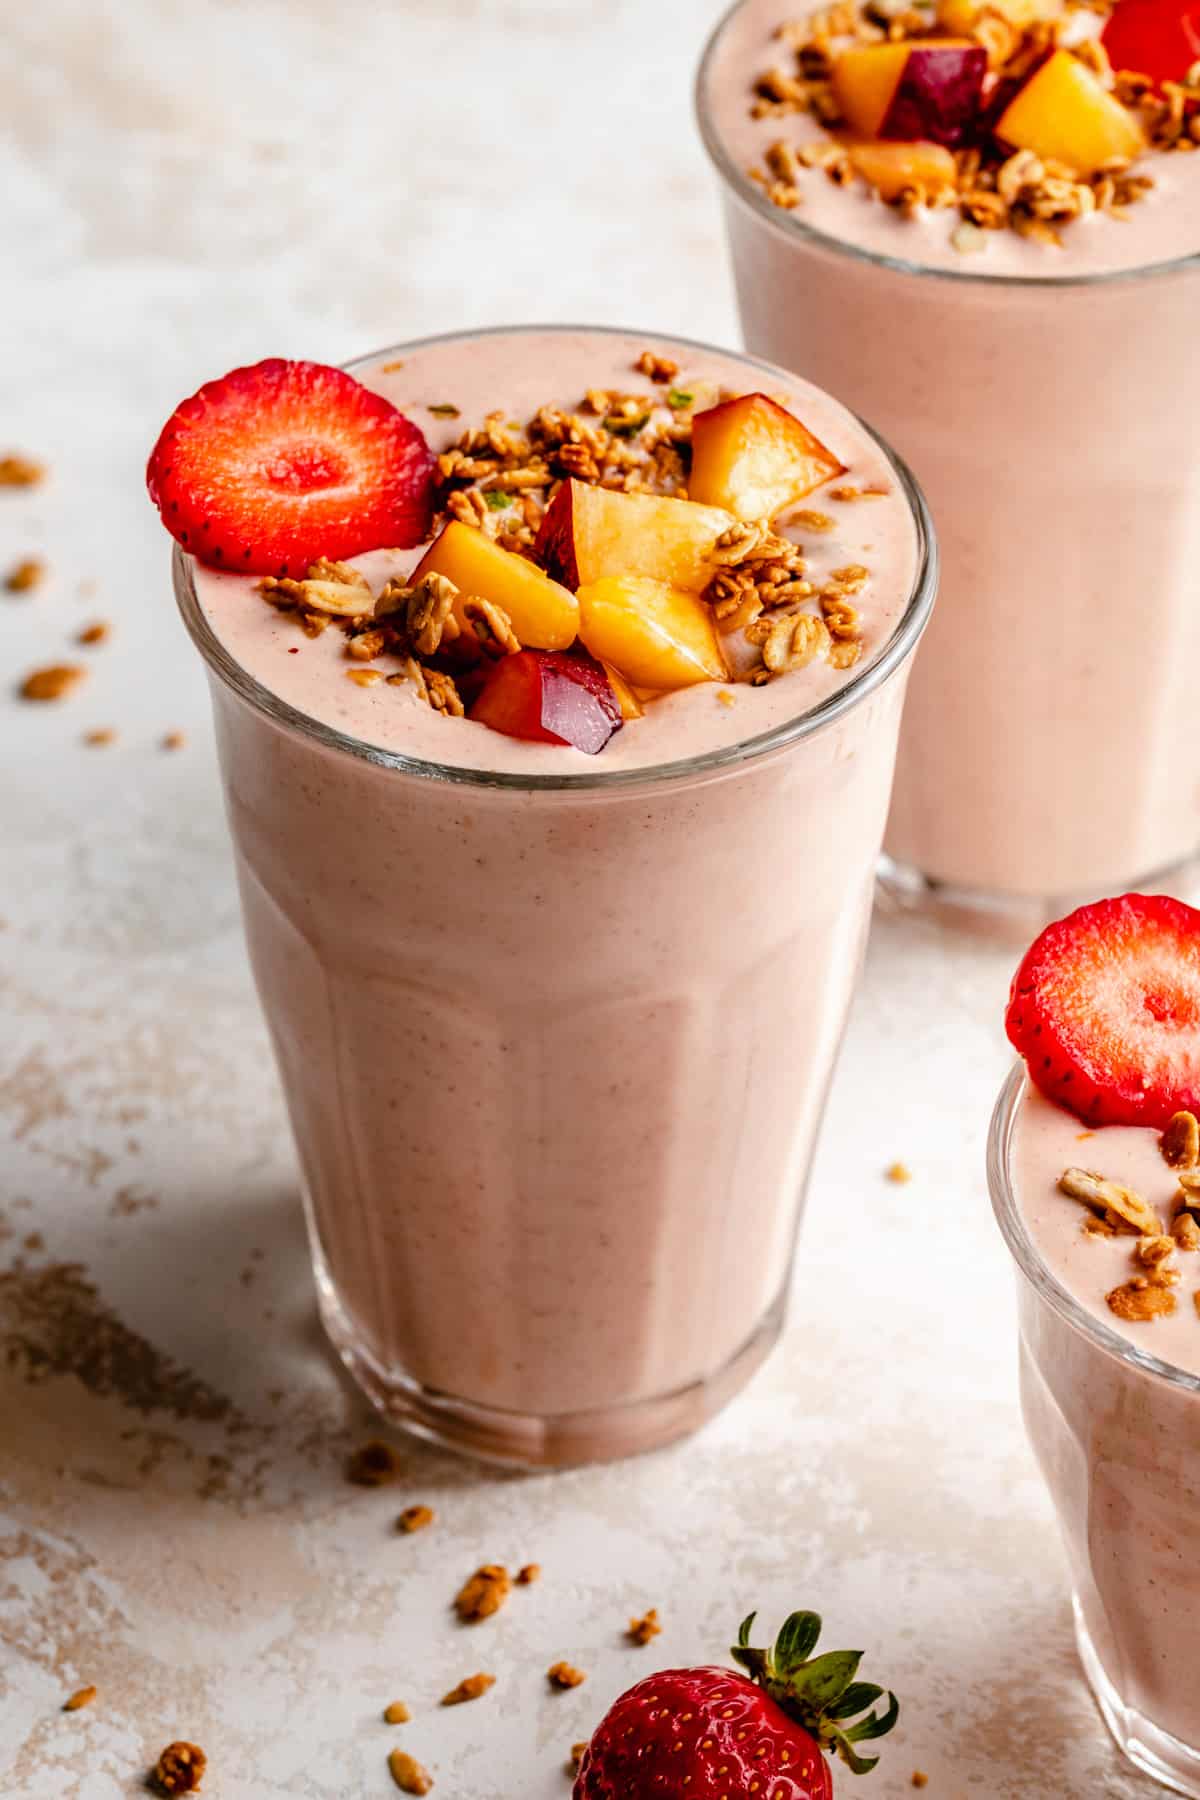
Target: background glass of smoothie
555,1031
1049,401
1115,1428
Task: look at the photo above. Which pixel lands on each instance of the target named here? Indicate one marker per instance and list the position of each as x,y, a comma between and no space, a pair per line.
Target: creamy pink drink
1047,394
555,1029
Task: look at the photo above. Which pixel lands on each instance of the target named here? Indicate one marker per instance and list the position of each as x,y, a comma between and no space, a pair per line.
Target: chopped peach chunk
1063,113
590,532
865,80
657,636
958,17
627,699
891,168
754,458
545,615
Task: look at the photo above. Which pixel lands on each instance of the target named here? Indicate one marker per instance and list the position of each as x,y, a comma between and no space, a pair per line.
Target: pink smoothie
1113,1412
1047,398
555,1031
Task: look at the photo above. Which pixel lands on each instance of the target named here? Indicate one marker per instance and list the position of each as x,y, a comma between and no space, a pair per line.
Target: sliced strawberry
273,466
550,697
1105,1009
1159,38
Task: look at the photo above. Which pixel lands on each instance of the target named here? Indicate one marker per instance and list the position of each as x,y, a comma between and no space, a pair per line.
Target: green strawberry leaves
819,1692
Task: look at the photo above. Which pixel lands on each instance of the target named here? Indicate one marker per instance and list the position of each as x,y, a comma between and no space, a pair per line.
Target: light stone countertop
189,186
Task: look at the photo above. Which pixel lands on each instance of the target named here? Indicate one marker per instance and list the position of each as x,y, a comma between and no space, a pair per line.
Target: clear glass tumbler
553,1197
1117,1436
1050,751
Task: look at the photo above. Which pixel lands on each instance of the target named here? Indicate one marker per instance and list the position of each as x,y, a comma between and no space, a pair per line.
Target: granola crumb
20,471
483,1593
24,576
472,1688
100,738
1152,1251
80,1698
919,1778
373,1464
180,1768
408,1774
899,1172
442,409
364,677
530,1573
96,633
51,683
1138,1301
564,1675
389,368
1185,1231
726,697
173,740
1180,1142
578,1749
397,1713
656,368
1120,1206
1196,1299
415,1518
641,1630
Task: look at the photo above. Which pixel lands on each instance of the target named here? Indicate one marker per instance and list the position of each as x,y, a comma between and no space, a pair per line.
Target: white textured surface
191,185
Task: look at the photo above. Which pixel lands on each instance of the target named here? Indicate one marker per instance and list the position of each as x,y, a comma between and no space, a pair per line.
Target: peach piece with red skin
754,458
546,697
589,533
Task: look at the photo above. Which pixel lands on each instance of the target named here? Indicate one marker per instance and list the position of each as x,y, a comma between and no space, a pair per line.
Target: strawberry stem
819,1692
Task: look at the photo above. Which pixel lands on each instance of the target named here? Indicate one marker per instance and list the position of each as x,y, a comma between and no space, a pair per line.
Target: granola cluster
501,477
993,190
1115,1211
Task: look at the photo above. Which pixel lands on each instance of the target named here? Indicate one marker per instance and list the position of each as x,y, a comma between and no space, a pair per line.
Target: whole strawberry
710,1734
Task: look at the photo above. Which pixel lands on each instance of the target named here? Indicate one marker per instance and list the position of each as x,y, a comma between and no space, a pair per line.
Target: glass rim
791,225
1029,1260
889,657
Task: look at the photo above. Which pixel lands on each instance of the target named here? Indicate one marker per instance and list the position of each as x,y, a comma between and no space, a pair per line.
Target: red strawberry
551,698
714,1735
276,465
1105,1009
1159,38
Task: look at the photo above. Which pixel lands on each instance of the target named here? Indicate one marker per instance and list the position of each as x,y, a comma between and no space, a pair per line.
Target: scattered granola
1180,1142
20,471
51,683
483,1593
180,1768
641,1630
80,1698
1140,1300
564,1675
96,633
1118,1206
100,737
656,368
408,1774
24,576
374,1464
173,740
919,1778
1185,1232
397,1713
898,1172
530,1573
469,1689
415,1518
1152,1251
578,1749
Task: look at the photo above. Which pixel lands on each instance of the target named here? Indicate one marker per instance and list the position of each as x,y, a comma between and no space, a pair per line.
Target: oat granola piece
173,740
899,1172
1139,1301
365,677
564,1675
20,471
656,368
1152,1251
920,1779
415,1518
335,588
82,1697
640,1631
1180,1142
1121,1206
492,627
374,1464
1185,1231
96,633
51,683
100,737
473,1687
408,1774
483,1593
578,1749
396,1714
180,1768
24,576
527,1575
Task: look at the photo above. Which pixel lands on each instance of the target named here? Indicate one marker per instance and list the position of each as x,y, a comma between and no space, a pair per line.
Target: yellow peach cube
865,80
1064,114
754,458
654,635
891,168
544,614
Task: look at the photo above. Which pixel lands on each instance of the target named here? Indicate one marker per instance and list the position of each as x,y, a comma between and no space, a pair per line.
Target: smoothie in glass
555,1028
1006,325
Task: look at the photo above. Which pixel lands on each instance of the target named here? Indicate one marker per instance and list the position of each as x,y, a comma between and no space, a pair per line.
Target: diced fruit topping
550,699
658,636
627,698
276,465
754,458
940,94
1159,38
891,168
1063,113
865,80
589,533
1105,1009
712,1732
544,614
958,17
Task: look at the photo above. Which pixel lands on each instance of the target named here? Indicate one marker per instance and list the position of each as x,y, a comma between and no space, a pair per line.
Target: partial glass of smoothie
978,222
1094,1166
557,749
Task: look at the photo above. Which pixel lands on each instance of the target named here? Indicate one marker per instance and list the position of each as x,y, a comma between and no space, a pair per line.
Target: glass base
516,1440
1154,1752
1011,918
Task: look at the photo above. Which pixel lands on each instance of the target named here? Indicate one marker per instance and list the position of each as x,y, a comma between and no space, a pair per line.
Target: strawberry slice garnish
276,465
1105,1009
1159,38
759,1736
